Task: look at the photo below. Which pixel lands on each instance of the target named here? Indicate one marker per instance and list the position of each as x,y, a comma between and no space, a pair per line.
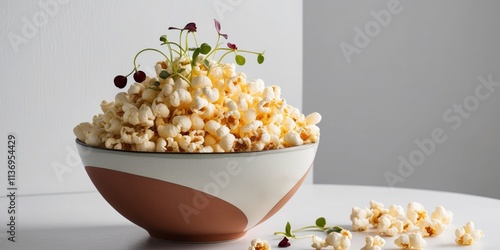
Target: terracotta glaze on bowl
197,197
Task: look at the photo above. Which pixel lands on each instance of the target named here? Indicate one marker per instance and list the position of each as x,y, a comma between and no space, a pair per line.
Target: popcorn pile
219,112
196,104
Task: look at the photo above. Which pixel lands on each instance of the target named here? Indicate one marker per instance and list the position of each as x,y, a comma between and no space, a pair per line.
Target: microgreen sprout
320,225
182,51
121,80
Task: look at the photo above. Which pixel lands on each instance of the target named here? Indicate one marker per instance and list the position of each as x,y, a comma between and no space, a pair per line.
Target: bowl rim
279,150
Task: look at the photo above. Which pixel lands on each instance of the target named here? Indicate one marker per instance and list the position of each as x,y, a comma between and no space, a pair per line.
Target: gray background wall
403,104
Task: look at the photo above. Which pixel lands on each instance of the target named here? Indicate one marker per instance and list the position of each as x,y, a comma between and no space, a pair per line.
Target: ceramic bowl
197,197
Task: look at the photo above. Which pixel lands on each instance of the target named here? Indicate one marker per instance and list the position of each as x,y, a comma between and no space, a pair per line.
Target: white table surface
86,221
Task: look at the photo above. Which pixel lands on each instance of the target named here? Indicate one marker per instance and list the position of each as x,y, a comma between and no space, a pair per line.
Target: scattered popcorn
389,226
373,243
339,241
258,244
468,235
410,241
318,243
416,213
155,113
443,215
407,224
396,211
394,219
430,228
360,218
378,210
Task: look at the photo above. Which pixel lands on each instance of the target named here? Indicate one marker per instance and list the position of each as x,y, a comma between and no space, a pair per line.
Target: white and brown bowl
197,197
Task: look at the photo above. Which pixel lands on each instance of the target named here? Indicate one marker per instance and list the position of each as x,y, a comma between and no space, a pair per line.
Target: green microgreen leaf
240,60
163,38
334,229
260,58
321,222
155,86
288,229
195,55
164,74
320,225
205,48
